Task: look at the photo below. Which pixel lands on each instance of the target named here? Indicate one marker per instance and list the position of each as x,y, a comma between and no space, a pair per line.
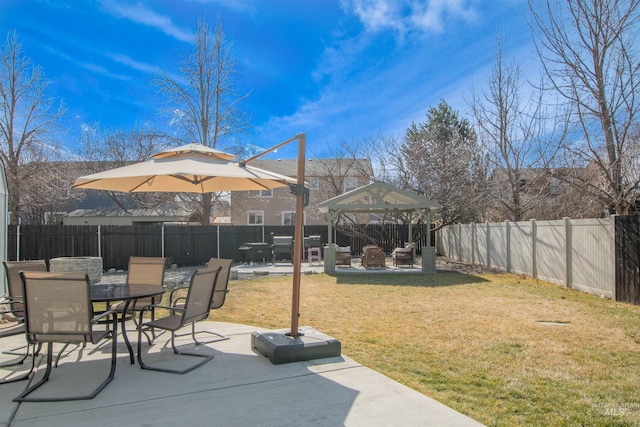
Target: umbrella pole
298,237
294,346
298,241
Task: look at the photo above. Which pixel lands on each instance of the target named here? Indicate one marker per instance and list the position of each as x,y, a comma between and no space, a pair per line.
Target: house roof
317,167
116,212
377,196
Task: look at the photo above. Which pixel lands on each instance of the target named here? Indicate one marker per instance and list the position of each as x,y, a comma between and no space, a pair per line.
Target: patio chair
372,256
14,298
58,308
143,271
343,255
403,256
196,308
219,295
14,283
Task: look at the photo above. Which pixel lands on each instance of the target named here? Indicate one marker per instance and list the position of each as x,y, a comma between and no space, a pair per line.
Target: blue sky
336,70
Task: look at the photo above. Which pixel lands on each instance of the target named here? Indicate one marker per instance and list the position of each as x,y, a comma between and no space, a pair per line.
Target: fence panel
466,244
627,242
481,244
592,256
190,245
498,254
185,244
521,236
551,251
121,242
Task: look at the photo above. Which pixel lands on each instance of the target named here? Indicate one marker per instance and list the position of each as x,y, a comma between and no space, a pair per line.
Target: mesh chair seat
169,323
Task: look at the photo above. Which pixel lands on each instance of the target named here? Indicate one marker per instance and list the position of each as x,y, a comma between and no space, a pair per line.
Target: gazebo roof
376,197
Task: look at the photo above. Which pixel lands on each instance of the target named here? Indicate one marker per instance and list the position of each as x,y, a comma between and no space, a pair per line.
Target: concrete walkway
236,388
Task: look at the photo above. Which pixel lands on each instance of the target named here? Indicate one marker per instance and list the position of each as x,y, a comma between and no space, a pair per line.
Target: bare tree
103,149
27,120
588,49
511,118
205,103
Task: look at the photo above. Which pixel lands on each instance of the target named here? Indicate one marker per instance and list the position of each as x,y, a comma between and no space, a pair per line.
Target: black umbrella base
281,348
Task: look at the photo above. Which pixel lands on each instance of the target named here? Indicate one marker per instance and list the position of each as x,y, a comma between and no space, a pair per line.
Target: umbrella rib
131,190
195,181
261,185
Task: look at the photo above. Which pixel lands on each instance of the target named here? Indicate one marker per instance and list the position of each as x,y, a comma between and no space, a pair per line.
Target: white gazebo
378,197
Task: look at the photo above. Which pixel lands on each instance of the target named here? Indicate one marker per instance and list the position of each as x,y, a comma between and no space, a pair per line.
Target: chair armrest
173,304
102,315
174,291
153,306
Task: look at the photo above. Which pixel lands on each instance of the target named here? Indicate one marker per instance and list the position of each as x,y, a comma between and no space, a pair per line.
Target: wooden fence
598,256
185,244
628,259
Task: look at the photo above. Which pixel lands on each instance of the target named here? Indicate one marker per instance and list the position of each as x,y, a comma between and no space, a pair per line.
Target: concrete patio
237,387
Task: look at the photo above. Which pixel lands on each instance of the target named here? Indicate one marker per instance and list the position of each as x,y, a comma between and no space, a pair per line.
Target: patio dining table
109,293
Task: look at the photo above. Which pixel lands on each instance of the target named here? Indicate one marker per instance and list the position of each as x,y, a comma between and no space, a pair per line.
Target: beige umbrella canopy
193,168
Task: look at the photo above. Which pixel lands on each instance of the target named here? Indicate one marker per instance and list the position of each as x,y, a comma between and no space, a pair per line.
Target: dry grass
472,342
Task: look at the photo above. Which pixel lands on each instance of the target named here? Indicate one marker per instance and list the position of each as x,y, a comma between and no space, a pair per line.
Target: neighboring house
326,178
117,216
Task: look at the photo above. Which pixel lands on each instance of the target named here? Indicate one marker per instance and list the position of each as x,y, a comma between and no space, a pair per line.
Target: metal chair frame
202,284
36,335
14,284
219,295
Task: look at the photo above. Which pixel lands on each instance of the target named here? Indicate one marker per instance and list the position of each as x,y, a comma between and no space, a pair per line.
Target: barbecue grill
282,248
311,242
254,252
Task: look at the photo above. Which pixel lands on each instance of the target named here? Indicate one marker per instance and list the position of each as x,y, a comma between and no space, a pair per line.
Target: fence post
99,241
488,244
534,257
612,240
162,239
218,241
459,248
568,245
473,243
507,237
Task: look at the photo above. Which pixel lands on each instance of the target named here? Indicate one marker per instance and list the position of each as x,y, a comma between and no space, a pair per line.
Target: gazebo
378,197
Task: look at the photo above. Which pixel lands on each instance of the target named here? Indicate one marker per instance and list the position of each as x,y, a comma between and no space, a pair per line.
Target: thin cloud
143,15
132,63
408,16
98,69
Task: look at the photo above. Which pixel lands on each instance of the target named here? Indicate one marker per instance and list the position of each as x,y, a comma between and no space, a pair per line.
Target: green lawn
503,349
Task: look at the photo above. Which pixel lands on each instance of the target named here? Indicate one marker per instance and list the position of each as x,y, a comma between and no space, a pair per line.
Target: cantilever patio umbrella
192,168
199,169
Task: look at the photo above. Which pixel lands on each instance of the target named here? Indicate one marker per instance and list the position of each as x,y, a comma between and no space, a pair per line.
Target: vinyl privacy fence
576,253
